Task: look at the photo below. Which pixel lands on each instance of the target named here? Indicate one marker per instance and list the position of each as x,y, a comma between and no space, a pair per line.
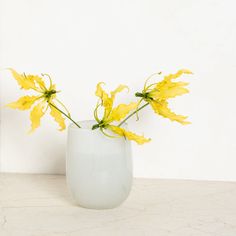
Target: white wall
82,42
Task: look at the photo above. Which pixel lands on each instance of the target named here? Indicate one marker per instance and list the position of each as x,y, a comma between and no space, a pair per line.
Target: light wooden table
39,205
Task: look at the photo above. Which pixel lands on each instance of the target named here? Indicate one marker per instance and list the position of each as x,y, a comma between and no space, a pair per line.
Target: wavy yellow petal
161,108
58,117
167,89
100,92
178,74
129,135
107,102
119,89
39,82
24,103
26,82
121,111
35,115
173,92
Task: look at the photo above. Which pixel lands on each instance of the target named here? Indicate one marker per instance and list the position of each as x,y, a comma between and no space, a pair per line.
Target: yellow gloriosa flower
45,99
157,95
114,114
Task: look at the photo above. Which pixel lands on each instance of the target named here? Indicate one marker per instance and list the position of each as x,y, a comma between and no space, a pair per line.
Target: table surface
40,205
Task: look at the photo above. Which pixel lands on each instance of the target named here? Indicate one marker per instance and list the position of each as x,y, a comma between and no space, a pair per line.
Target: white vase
98,168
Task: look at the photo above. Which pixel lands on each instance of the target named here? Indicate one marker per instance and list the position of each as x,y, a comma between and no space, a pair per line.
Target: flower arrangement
110,124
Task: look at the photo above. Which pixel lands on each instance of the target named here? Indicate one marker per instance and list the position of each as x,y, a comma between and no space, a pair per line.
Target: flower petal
58,117
178,74
167,89
39,81
161,108
24,103
36,115
121,111
119,89
106,101
26,82
129,135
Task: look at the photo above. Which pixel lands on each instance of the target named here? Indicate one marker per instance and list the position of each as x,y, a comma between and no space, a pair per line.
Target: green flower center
49,93
145,96
101,124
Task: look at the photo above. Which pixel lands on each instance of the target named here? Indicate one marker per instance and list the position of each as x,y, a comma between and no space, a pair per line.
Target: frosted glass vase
98,168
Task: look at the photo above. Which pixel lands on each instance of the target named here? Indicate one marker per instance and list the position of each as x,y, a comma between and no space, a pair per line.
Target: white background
83,42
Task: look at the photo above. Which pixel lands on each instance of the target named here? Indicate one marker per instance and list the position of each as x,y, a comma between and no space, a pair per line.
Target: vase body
98,168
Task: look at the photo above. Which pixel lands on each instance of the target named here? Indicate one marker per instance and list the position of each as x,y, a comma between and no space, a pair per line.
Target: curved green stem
158,73
122,122
137,116
64,114
68,113
50,79
101,129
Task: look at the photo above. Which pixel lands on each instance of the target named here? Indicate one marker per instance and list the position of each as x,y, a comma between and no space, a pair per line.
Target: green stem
64,114
140,108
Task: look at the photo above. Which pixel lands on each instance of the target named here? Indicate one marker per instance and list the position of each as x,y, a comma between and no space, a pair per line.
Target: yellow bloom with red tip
157,95
45,99
114,114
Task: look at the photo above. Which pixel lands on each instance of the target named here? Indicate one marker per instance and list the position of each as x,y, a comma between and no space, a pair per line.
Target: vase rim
86,125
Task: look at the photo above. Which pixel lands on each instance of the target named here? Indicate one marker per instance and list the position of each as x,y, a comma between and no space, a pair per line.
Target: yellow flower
157,95
44,100
114,114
